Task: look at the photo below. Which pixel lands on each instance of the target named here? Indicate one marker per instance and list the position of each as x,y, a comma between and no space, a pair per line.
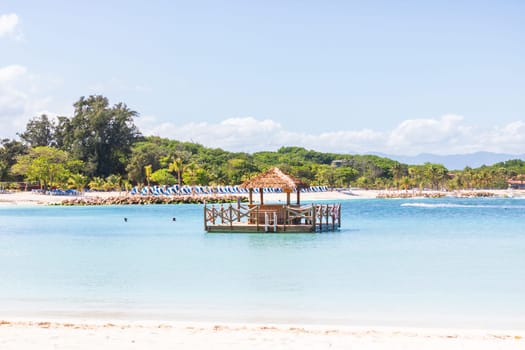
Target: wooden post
250,195
287,198
261,194
321,218
205,218
238,209
314,216
213,214
257,218
298,196
231,216
327,222
286,215
339,215
333,217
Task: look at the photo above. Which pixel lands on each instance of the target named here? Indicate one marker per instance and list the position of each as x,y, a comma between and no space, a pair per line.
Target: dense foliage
100,147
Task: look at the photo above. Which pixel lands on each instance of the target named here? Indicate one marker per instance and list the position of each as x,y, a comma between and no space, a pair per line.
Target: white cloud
448,134
20,99
510,136
11,73
422,135
22,96
8,25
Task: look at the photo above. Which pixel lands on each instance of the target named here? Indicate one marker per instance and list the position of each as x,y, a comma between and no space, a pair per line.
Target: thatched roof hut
275,178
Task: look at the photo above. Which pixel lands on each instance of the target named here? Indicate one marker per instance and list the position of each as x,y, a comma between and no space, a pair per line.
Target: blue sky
344,76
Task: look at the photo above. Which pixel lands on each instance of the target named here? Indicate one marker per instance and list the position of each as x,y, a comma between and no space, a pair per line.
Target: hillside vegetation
100,148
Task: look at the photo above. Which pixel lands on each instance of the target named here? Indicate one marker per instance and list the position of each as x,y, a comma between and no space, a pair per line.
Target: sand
22,335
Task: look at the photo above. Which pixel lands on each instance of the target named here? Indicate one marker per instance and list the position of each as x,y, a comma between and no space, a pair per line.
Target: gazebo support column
287,198
250,196
261,193
298,196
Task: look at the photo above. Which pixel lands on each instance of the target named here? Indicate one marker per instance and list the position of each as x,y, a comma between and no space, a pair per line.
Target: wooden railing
271,218
328,217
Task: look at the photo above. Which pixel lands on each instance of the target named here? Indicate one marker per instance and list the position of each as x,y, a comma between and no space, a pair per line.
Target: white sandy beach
42,335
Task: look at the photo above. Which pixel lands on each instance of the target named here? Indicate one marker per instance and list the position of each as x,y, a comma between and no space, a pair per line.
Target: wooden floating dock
272,218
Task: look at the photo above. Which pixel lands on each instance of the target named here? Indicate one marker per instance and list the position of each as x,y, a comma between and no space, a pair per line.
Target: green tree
97,184
78,182
9,151
467,176
148,152
326,175
405,182
100,135
345,175
235,168
163,177
178,165
435,174
40,131
148,171
398,171
363,182
47,165
113,183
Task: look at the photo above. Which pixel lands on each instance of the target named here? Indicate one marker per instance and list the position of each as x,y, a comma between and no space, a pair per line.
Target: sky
396,77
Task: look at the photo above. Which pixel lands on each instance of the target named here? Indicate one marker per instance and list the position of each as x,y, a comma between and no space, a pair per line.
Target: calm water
440,262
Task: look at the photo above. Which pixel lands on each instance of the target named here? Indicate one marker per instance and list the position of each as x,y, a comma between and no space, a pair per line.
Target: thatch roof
275,178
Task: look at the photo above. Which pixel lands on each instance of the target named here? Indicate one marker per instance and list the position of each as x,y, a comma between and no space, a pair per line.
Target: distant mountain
456,161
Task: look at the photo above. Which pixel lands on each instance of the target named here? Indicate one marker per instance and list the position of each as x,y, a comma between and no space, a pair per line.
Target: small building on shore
270,217
517,183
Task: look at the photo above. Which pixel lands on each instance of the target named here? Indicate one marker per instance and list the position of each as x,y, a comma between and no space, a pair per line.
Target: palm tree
177,166
148,171
405,182
416,174
97,183
397,172
436,174
467,176
113,182
78,182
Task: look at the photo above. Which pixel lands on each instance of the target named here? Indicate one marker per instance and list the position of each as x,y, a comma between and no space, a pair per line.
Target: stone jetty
434,194
143,200
410,194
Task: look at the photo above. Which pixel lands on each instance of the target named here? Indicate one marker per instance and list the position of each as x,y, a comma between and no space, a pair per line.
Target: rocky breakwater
410,194
143,200
471,194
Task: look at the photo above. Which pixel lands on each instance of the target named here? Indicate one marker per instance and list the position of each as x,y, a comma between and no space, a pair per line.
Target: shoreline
30,198
82,334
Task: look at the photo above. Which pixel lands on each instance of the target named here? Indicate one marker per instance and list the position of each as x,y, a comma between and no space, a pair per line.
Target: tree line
101,148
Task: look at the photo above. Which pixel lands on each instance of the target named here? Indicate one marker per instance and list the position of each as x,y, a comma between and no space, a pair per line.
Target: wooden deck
272,218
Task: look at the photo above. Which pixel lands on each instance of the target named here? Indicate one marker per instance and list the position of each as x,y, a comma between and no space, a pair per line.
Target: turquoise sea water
434,262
